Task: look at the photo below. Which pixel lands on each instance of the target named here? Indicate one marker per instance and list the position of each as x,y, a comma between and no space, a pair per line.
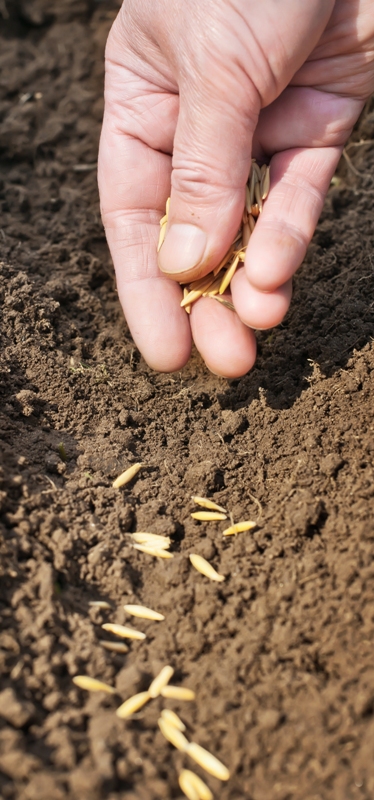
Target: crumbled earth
281,653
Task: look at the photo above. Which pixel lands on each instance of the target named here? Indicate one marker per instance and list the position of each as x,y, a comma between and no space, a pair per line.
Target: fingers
211,160
227,346
134,181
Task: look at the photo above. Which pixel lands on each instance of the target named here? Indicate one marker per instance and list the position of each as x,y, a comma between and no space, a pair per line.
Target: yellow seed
265,183
92,685
185,293
248,202
123,631
255,168
163,220
258,197
241,254
228,276
116,647
126,476
187,787
173,718
203,566
99,604
160,681
193,786
173,735
167,206
204,502
151,540
178,693
208,762
157,552
246,234
161,237
240,527
214,287
191,297
132,705
143,612
208,516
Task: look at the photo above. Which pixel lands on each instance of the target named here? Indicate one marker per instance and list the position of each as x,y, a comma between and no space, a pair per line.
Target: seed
205,568
208,762
248,201
214,287
163,220
167,206
191,297
241,254
265,182
187,787
255,210
160,681
258,197
161,237
173,735
92,685
255,168
132,705
122,630
99,604
173,718
251,223
158,552
224,303
151,540
144,612
116,647
229,274
208,516
204,502
185,293
193,786
246,234
240,527
126,476
178,693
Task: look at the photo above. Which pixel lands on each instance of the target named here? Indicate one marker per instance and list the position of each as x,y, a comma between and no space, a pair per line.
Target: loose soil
281,654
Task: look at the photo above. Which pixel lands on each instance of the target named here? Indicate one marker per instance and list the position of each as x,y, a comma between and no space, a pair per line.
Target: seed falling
203,566
126,476
92,685
208,762
190,782
132,705
144,612
204,502
123,631
208,516
173,735
160,681
240,527
99,604
157,552
151,540
178,693
173,718
115,647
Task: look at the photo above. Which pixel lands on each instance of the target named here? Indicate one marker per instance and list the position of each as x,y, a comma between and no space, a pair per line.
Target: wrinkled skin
193,90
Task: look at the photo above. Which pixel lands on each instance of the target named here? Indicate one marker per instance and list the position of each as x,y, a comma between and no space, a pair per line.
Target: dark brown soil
281,654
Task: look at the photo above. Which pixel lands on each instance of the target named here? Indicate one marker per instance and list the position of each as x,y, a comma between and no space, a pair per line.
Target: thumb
211,162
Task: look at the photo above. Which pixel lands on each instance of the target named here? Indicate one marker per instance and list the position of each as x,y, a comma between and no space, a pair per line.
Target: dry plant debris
92,685
203,566
123,630
126,476
217,282
193,787
144,612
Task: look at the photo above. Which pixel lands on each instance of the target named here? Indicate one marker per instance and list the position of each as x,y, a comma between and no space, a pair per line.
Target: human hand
193,90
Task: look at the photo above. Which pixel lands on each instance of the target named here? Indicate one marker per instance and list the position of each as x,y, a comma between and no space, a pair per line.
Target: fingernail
183,248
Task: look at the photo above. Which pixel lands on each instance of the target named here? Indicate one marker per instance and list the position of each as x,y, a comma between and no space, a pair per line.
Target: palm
302,132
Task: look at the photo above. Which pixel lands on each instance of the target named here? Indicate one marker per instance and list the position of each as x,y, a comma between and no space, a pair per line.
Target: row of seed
217,282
